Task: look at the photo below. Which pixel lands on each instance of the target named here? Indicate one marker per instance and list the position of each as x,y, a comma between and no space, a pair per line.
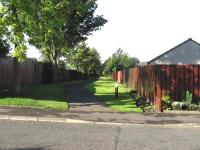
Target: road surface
20,135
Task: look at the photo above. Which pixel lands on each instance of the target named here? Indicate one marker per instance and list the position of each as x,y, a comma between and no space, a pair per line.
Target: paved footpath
80,99
85,106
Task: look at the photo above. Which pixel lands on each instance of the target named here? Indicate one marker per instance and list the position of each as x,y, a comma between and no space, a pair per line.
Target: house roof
188,40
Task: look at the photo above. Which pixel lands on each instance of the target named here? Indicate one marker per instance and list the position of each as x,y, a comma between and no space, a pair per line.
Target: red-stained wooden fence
155,81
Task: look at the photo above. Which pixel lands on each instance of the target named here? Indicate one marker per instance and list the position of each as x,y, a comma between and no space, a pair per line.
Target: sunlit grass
104,89
47,96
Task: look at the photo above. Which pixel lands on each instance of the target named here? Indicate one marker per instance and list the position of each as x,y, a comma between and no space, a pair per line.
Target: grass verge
104,89
46,96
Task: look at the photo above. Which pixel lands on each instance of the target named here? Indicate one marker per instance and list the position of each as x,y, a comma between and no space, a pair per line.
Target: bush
176,105
133,93
188,97
140,101
149,108
180,106
194,107
185,106
166,103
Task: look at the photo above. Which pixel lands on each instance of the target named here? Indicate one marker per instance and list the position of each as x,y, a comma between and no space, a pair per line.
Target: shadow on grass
105,92
122,101
45,92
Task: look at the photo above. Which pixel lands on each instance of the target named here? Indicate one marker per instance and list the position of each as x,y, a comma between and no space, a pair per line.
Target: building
187,52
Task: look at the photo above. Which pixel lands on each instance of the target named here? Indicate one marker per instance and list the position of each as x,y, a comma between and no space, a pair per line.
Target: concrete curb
76,121
23,118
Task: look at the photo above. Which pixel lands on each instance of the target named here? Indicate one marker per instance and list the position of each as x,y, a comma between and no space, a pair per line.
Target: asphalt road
19,135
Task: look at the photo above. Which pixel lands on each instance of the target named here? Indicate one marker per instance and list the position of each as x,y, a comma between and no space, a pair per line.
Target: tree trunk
55,70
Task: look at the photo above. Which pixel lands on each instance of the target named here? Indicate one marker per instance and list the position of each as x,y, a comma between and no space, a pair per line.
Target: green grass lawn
47,96
104,89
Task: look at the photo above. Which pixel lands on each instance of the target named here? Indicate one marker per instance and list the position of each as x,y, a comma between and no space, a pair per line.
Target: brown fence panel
195,85
182,80
155,81
31,72
158,90
120,77
198,82
6,73
134,78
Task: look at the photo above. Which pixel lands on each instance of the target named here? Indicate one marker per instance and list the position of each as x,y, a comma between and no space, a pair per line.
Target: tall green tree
119,61
86,60
52,26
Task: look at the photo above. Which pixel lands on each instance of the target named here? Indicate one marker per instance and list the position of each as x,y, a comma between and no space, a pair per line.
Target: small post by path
116,90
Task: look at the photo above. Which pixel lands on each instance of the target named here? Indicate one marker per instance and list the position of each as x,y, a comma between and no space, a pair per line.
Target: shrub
180,106
140,101
194,107
166,103
185,106
188,97
176,106
149,108
133,93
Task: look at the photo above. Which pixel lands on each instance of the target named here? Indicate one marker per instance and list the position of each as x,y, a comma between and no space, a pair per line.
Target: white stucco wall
187,53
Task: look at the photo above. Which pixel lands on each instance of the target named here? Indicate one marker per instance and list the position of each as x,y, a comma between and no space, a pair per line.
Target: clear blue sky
144,28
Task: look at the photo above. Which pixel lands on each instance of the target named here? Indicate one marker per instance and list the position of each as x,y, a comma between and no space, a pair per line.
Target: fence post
158,93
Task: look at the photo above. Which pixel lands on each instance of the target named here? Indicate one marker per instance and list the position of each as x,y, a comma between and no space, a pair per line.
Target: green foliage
54,27
46,96
176,106
86,60
119,61
149,108
166,102
194,107
20,52
104,90
4,48
185,106
140,101
188,97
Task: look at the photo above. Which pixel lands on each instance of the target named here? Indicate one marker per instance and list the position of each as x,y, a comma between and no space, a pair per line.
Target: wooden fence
30,72
155,81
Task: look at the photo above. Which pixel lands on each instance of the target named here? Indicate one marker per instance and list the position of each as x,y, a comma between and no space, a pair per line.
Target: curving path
80,99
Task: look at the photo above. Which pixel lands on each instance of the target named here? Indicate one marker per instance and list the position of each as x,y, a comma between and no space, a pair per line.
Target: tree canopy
54,27
119,61
86,60
4,48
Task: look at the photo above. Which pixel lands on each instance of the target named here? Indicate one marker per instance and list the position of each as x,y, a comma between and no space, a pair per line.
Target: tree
4,48
108,66
52,26
119,61
86,60
133,61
